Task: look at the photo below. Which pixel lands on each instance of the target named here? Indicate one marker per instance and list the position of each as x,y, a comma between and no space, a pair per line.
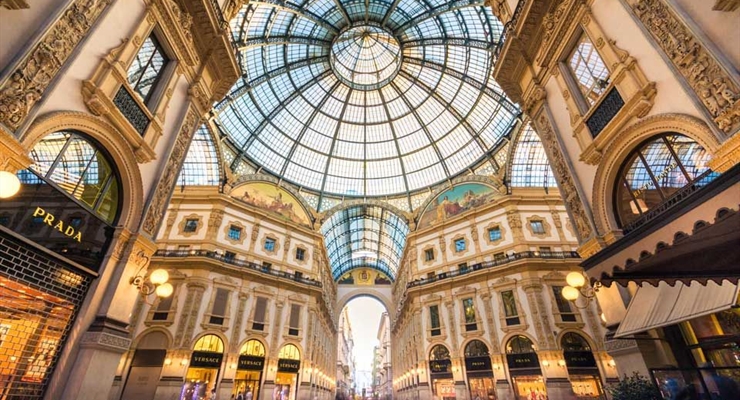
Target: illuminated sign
478,363
205,359
285,365
51,220
251,363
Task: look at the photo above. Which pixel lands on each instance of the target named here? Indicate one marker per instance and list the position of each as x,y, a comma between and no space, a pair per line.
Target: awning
712,253
655,307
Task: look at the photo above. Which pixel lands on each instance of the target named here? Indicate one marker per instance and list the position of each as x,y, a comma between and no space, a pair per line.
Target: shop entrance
249,370
524,368
440,373
286,381
204,368
479,371
582,370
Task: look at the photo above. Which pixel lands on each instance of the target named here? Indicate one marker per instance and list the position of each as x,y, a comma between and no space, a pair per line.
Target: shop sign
524,360
251,363
478,364
44,215
439,366
205,359
292,366
446,389
579,359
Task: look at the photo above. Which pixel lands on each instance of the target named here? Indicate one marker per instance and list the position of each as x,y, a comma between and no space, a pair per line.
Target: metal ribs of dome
437,114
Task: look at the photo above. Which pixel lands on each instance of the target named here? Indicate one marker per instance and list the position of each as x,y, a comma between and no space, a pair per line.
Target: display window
482,388
444,389
586,386
479,371
582,370
286,380
530,387
203,371
249,371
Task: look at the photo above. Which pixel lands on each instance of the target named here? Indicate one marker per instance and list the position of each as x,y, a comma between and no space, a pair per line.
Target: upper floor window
269,244
469,311
511,314
429,255
294,321
460,245
80,168
300,254
588,70
434,322
260,313
656,170
564,307
235,232
147,68
218,312
191,225
538,228
494,234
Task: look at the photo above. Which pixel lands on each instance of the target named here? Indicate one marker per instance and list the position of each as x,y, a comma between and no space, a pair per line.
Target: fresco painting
456,201
364,276
273,199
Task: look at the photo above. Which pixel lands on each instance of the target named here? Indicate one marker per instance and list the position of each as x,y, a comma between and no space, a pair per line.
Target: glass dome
365,98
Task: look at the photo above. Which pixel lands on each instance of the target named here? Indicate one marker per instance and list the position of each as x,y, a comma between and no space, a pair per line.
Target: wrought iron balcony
543,255
229,259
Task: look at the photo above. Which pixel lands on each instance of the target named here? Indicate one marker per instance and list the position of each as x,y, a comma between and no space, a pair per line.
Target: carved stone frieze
564,177
167,181
710,82
27,84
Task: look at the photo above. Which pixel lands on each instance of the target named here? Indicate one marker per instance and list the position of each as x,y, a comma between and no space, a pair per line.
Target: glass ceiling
365,98
364,236
529,165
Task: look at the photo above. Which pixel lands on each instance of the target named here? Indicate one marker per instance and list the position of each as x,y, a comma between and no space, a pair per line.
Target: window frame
574,87
154,95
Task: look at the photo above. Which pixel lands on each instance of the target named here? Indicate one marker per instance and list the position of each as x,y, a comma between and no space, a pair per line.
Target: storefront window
205,364
581,364
479,371
524,367
249,371
286,380
440,368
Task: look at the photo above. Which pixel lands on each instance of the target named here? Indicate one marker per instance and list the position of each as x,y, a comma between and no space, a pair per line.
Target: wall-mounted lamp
496,367
167,361
420,371
184,362
561,363
612,363
233,366
545,363
156,283
577,288
9,184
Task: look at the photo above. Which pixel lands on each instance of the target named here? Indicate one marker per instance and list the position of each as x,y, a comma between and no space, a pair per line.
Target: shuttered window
259,314
295,320
219,307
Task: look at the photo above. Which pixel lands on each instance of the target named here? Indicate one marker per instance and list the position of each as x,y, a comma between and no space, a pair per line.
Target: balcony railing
676,198
508,27
296,276
549,255
219,14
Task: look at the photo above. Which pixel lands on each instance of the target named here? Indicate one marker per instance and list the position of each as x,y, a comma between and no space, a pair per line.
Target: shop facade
479,371
526,375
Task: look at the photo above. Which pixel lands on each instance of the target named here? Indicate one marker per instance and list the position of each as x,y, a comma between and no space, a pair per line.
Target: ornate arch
361,202
121,153
257,338
505,340
156,329
466,342
580,333
210,332
366,292
616,153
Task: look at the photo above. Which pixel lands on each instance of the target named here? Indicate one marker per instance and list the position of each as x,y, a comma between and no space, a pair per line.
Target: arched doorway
286,380
249,370
440,373
146,367
479,371
524,368
582,370
204,368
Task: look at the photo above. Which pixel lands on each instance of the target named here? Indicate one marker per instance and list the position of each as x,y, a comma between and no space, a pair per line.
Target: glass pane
589,71
434,316
108,208
509,303
529,167
469,310
146,68
664,167
563,305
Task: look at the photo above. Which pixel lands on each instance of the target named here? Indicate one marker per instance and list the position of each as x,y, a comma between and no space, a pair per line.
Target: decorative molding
501,228
183,223
710,82
227,230
27,84
545,225
561,169
167,182
13,156
106,341
719,5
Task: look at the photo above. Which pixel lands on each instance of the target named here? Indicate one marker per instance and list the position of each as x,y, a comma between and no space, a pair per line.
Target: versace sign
204,359
292,366
251,363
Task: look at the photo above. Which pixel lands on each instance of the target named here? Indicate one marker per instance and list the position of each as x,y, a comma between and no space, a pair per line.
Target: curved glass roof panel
365,98
529,165
201,165
364,236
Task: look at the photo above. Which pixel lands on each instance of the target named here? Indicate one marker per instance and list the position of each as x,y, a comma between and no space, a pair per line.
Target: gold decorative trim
501,228
27,84
242,236
453,244
183,222
710,82
275,249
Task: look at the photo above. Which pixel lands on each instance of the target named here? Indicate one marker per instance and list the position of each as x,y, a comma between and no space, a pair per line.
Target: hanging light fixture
9,184
577,287
155,282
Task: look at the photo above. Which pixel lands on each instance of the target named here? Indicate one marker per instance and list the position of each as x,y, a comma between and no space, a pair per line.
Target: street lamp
9,184
577,288
155,283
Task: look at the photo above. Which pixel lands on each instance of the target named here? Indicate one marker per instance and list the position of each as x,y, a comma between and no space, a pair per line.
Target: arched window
439,352
476,348
79,167
253,348
656,170
210,343
289,352
574,342
519,345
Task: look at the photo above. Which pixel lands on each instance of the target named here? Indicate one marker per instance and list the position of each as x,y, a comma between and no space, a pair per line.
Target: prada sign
579,359
251,363
524,360
478,363
285,365
439,366
204,359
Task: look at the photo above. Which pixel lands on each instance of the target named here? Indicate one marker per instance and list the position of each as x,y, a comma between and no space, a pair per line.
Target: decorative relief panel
27,84
709,81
